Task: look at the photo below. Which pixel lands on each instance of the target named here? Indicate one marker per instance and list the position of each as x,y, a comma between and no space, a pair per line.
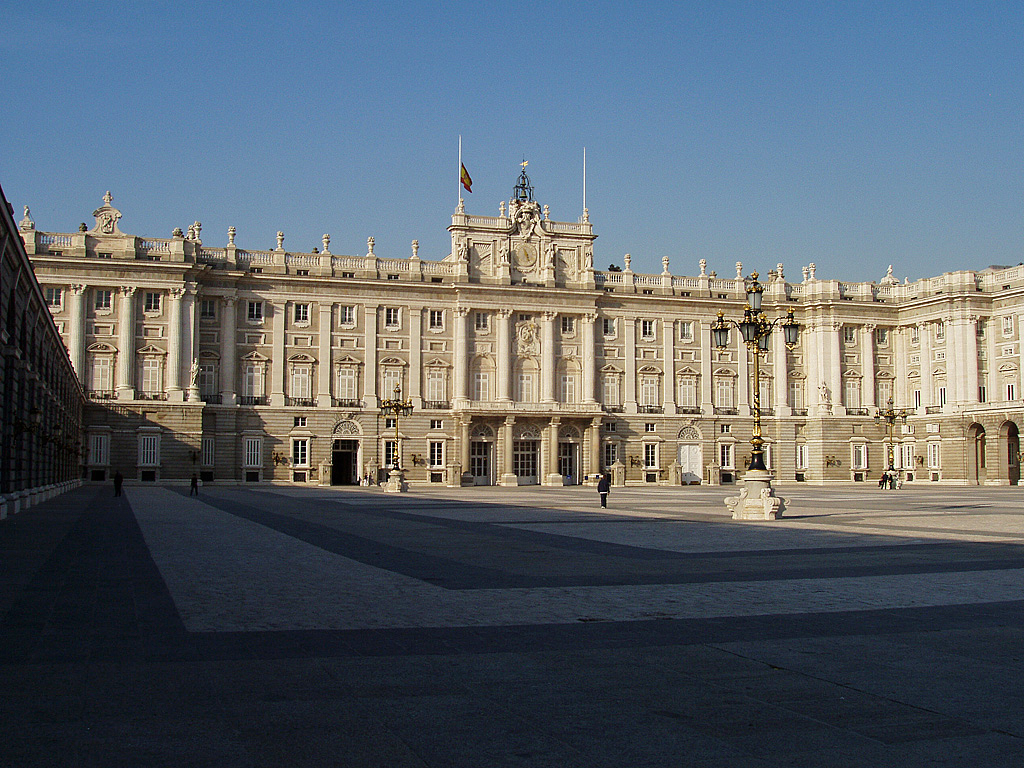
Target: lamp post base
396,482
757,499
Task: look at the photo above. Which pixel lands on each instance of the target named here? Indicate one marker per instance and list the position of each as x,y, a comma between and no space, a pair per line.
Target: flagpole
459,174
584,178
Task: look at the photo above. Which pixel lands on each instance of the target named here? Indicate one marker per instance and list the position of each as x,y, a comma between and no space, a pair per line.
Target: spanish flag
467,182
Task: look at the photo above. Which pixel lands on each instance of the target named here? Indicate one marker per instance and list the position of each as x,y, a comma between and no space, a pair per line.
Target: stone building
522,362
41,400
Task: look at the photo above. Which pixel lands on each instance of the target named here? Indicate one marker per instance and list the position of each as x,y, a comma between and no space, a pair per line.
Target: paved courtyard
513,627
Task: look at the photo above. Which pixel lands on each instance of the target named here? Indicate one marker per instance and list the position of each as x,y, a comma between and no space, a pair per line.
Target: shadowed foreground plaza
512,627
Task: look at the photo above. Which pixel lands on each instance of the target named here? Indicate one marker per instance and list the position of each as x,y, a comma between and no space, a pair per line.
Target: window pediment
101,347
301,358
151,349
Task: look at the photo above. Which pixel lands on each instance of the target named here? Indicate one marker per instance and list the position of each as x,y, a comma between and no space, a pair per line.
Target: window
982,394
391,378
648,390
568,388
208,451
980,329
436,386
1007,352
942,395
390,422
151,301
252,386
436,319
611,453
103,300
348,275
917,398
686,330
392,277
906,455
207,380
1011,390
940,331
436,424
647,329
302,313
687,393
525,394
53,297
253,452
347,384
915,334
849,334
481,386
649,427
568,326
650,455
881,336
608,326
300,452
884,389
301,382
764,392
1008,325
801,456
611,426
796,395
725,429
152,376
99,450
933,455
524,318
255,311
208,309
851,393
390,453
859,456
611,389
726,456
299,421
102,374
480,321
436,453
347,315
726,389
391,317
149,450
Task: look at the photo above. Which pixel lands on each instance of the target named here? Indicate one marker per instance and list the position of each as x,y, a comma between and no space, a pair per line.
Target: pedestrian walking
883,480
193,489
603,486
118,482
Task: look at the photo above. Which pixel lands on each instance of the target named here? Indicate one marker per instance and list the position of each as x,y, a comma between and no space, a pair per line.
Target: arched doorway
1011,434
976,471
690,456
569,455
345,453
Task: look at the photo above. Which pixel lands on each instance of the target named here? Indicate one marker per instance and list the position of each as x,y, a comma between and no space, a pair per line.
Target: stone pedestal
757,499
396,482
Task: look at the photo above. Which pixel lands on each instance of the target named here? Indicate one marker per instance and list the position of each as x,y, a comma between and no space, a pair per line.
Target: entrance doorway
568,463
976,472
480,463
1013,452
345,462
526,460
690,469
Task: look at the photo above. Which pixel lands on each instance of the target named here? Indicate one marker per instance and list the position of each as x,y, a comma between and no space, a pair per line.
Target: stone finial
779,272
369,246
327,242
231,235
664,265
198,225
501,209
176,233
703,263
739,270
107,216
83,227
547,211
712,274
191,232
26,224
586,214
810,270
461,207
108,198
415,249
805,271
280,240
627,259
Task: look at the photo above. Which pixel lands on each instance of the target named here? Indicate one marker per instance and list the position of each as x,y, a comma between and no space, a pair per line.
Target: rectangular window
933,455
1008,325
726,456
611,454
647,329
567,324
102,374
390,453
884,390
881,336
151,301
103,300
796,395
942,395
611,426
1011,390
608,326
299,421
568,388
649,390
99,450
302,313
207,380
859,457
525,388
391,317
300,452
851,393
208,309
725,392
917,398
650,455
915,334
940,331
253,385
436,319
436,386
255,311
801,456
346,315
301,382
982,394
152,378
390,422
480,321
649,427
208,451
764,392
392,378
907,456
53,297
347,384
436,424
725,429
849,334
253,452
686,330
436,452
611,389
688,393
481,386
149,450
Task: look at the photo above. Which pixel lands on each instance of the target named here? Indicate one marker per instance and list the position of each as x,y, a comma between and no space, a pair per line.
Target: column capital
78,288
230,300
176,293
128,290
589,317
549,316
460,311
504,313
510,421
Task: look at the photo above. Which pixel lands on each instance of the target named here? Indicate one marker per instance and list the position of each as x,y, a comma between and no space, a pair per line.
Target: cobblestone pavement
520,627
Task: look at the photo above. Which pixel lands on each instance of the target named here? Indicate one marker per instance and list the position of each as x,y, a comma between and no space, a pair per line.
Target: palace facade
523,363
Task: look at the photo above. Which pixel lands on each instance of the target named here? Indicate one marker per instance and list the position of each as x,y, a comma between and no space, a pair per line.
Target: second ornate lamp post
396,407
889,415
757,499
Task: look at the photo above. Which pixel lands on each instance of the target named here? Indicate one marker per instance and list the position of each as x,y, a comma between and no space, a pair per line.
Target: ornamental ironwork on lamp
890,415
396,407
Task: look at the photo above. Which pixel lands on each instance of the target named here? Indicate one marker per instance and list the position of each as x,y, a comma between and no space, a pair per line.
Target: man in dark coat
603,486
118,480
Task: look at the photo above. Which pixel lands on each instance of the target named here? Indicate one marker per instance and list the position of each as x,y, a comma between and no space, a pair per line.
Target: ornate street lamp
890,415
757,500
396,407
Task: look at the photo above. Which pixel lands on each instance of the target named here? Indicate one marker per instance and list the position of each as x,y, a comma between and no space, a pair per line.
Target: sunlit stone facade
523,362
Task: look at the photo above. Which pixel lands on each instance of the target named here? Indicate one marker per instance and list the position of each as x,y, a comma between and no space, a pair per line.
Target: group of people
890,479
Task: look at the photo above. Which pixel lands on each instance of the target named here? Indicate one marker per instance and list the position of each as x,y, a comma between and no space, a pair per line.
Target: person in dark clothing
603,486
194,488
118,481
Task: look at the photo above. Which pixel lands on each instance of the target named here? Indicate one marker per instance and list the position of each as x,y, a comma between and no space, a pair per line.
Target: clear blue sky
850,134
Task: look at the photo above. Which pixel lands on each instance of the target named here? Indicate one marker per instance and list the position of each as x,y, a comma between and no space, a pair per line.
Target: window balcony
857,412
933,409
302,402
649,409
339,402
436,405
613,408
688,409
151,396
211,398
102,394
719,411
252,400
799,411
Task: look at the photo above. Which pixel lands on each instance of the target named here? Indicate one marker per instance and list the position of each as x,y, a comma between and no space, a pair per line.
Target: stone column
508,477
554,476
902,359
460,359
464,442
926,366
629,333
668,354
323,394
744,384
278,364
416,356
992,389
504,355
589,354
780,374
76,331
706,377
228,356
970,360
867,366
174,333
595,446
191,334
126,345
370,355
547,358
812,369
835,368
